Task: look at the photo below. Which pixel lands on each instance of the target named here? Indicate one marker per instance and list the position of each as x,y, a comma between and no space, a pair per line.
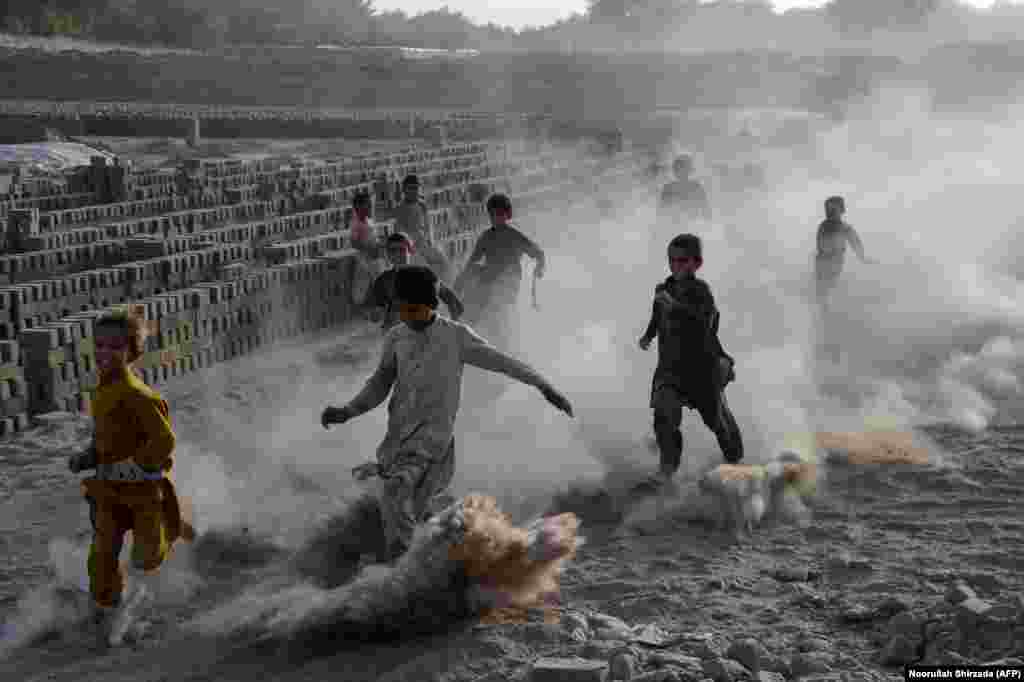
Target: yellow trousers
111,519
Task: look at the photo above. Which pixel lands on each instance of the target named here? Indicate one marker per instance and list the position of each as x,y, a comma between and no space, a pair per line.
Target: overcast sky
519,13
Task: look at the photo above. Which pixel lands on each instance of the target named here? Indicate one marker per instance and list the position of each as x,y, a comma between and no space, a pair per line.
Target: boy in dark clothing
382,292
502,247
833,236
685,196
693,368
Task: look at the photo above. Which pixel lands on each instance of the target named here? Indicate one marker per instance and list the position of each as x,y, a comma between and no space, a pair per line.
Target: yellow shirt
133,422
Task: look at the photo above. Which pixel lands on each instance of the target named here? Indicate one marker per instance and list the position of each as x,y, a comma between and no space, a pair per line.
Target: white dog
749,492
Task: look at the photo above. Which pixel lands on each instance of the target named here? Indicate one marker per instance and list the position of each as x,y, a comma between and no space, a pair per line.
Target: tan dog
746,492
872,447
514,569
466,561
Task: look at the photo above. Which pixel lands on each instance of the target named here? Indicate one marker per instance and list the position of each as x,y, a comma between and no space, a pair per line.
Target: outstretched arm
451,299
474,256
652,326
856,244
532,250
478,352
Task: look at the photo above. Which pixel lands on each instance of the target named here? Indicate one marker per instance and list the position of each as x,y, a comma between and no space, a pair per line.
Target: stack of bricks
214,288
60,364
14,405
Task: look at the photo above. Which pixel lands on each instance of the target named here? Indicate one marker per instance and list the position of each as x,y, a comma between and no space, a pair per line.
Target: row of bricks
220,319
22,306
49,202
225,314
20,268
55,240
60,219
26,267
321,178
216,298
188,220
366,162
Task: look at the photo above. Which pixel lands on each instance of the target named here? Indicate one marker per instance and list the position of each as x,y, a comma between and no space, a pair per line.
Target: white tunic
425,368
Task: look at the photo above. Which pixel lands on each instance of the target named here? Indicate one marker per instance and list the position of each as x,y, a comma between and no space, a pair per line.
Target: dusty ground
817,598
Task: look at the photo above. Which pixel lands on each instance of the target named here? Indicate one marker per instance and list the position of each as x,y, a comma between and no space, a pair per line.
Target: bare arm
855,243
478,352
652,326
451,299
377,387
477,253
532,250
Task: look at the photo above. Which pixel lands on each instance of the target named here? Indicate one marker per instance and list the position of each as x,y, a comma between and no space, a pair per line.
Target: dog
514,570
871,447
746,493
467,561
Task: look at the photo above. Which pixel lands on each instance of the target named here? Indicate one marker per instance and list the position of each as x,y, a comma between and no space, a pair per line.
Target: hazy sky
519,13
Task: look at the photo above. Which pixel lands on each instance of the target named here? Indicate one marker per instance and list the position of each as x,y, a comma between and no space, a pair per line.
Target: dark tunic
382,295
689,351
686,196
502,249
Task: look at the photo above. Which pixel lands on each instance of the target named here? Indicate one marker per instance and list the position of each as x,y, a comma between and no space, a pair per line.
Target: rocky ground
894,565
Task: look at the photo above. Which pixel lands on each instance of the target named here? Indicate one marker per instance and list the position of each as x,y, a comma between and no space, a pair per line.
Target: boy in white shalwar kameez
422,360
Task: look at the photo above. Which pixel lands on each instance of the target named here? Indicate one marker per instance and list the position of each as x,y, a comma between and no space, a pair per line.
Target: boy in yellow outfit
132,454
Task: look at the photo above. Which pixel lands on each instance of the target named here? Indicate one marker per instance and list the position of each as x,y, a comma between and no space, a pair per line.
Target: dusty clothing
110,522
693,369
380,522
362,234
407,487
684,319
832,239
133,433
502,249
425,370
668,407
382,295
413,218
686,196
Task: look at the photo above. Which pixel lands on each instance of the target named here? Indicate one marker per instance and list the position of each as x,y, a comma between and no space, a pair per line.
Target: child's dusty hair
399,238
361,198
688,244
499,202
130,322
836,201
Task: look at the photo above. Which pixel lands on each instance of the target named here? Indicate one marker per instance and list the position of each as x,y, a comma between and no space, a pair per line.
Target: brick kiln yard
870,583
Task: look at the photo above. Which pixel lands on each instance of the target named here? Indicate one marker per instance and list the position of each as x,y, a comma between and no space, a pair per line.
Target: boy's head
835,207
399,248
416,294
411,188
362,204
499,207
682,166
119,340
685,255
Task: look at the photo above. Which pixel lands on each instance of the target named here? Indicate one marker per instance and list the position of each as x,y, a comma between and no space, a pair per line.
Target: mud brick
13,396
107,287
568,670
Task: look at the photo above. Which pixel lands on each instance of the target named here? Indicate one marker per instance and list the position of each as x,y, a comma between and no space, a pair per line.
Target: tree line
607,23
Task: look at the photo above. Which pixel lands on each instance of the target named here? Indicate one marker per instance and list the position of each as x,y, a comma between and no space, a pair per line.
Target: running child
693,368
421,366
